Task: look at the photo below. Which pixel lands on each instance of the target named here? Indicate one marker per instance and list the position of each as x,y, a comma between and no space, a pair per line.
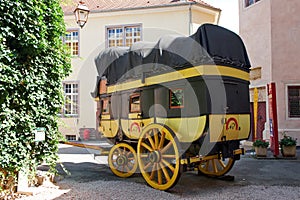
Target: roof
210,45
115,5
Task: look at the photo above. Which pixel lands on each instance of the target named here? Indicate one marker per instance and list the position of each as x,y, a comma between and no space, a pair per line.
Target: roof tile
110,5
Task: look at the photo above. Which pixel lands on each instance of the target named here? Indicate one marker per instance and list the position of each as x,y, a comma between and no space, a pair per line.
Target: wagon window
176,98
135,103
105,106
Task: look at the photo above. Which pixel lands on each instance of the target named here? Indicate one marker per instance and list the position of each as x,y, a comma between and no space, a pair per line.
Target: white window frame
73,40
123,28
250,2
72,94
287,102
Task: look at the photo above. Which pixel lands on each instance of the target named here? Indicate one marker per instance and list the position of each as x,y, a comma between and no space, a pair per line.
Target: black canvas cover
211,44
113,63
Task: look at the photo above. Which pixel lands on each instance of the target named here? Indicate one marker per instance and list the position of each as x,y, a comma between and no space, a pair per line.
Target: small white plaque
39,134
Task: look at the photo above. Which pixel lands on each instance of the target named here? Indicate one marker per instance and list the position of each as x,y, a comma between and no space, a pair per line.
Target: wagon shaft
103,151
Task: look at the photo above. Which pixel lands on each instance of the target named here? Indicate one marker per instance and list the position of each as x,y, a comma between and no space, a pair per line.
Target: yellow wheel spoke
166,147
127,168
166,174
147,166
146,146
153,172
156,140
150,140
162,140
222,164
145,155
119,151
159,176
168,156
166,163
128,153
214,165
207,165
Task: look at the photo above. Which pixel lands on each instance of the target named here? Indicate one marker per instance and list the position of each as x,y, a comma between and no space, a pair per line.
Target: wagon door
108,126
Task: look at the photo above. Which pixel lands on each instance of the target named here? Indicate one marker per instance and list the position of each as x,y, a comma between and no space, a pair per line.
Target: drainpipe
190,19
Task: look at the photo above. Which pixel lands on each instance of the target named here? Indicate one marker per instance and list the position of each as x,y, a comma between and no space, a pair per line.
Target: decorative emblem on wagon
232,124
135,128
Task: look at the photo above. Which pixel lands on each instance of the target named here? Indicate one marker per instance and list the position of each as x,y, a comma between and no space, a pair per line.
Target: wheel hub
122,160
154,157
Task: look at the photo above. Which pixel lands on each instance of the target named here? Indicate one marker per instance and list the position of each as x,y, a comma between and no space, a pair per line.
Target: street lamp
81,13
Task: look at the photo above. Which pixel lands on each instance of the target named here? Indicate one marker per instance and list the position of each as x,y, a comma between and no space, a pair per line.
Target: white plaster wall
155,23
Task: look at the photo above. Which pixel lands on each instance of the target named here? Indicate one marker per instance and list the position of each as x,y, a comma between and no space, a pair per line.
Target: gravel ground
254,179
108,190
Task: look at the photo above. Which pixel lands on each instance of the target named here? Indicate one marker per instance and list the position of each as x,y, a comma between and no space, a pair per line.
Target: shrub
33,62
288,141
261,143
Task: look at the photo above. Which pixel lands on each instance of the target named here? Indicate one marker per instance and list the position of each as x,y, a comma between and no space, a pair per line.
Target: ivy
33,62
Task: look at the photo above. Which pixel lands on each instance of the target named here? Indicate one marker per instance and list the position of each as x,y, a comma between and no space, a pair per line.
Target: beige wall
271,32
255,30
155,23
285,54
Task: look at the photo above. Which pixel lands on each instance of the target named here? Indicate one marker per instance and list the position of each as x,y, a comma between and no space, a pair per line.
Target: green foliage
288,141
33,62
261,143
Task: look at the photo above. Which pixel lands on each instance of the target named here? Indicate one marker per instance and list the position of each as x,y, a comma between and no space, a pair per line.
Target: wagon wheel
158,156
215,166
122,160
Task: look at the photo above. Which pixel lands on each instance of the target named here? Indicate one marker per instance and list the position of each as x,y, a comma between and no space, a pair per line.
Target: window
71,137
72,41
294,101
176,98
71,106
105,106
135,103
123,35
250,2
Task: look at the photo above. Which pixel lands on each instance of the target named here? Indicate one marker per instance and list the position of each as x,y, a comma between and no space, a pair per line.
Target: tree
33,62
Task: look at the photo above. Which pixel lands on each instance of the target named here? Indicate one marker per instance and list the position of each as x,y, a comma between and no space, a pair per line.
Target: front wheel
122,160
158,156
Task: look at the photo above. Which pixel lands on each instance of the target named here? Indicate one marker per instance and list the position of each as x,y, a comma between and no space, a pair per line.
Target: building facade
271,32
118,23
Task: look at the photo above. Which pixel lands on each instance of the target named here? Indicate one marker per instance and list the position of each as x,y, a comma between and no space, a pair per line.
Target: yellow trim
105,116
182,74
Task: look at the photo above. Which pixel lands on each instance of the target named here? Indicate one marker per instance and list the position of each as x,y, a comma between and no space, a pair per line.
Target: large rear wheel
158,156
122,160
215,166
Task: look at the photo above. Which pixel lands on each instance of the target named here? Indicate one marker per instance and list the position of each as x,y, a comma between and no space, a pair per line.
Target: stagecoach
179,104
